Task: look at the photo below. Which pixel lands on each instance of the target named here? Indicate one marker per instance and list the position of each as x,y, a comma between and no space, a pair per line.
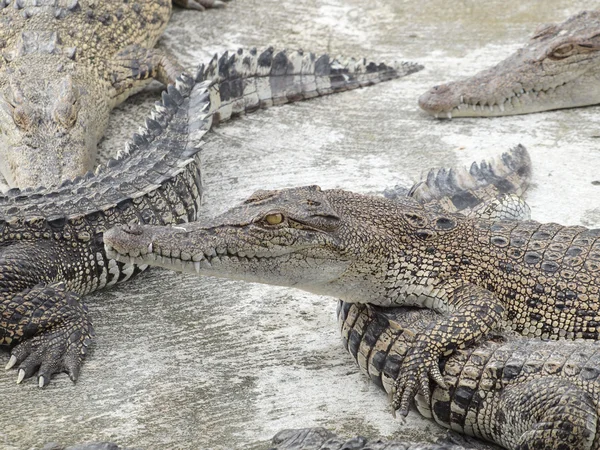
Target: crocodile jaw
480,95
198,252
557,69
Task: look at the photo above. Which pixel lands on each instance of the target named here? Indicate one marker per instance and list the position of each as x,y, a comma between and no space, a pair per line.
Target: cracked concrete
182,362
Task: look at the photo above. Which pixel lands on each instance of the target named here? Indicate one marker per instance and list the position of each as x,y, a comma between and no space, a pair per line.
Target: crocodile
558,68
51,250
517,392
538,279
92,55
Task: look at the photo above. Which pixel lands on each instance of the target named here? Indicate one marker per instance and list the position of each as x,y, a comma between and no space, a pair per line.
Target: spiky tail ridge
490,189
245,81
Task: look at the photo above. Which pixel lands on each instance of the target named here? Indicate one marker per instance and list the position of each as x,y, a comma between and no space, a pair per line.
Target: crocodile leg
475,312
51,332
200,5
41,320
546,414
134,66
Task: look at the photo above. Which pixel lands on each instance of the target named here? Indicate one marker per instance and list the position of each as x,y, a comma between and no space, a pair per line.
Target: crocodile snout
439,99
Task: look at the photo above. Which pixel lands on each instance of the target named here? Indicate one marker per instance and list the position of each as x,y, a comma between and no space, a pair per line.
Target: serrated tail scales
245,81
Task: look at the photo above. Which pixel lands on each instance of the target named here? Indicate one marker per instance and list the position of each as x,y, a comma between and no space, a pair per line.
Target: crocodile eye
274,219
562,51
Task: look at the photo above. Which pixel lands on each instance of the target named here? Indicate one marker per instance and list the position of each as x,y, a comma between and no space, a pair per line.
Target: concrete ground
182,362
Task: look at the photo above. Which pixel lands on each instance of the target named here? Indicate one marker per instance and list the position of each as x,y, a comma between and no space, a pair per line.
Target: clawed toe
51,353
420,365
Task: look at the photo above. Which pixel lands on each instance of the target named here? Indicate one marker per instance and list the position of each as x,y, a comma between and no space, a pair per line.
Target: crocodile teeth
11,362
197,266
449,115
150,247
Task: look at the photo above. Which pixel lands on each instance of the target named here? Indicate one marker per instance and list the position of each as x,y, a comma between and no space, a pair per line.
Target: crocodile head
558,68
301,237
49,127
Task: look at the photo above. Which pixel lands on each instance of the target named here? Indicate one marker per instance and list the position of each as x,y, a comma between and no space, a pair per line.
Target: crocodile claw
421,364
60,342
11,362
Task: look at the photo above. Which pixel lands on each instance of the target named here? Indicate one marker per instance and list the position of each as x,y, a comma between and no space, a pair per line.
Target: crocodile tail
493,187
245,81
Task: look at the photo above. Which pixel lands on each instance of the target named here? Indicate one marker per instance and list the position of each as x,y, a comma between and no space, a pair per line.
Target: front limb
134,66
475,311
48,330
42,321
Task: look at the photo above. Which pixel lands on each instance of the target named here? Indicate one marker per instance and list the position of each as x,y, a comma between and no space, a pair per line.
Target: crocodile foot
421,364
200,5
52,334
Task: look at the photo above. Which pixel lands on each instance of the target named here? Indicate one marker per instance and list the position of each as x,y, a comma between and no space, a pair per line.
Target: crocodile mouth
184,261
192,252
442,103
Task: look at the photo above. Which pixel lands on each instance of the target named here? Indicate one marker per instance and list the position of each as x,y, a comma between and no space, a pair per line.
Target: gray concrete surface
182,362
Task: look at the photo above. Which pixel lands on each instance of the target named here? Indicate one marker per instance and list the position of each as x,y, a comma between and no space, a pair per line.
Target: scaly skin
516,392
51,249
301,439
541,280
558,68
65,65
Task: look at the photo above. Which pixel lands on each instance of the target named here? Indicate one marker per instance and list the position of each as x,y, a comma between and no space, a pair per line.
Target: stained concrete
182,362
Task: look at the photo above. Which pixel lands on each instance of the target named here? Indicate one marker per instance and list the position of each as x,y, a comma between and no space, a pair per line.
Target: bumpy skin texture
93,55
51,249
558,68
541,280
517,392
